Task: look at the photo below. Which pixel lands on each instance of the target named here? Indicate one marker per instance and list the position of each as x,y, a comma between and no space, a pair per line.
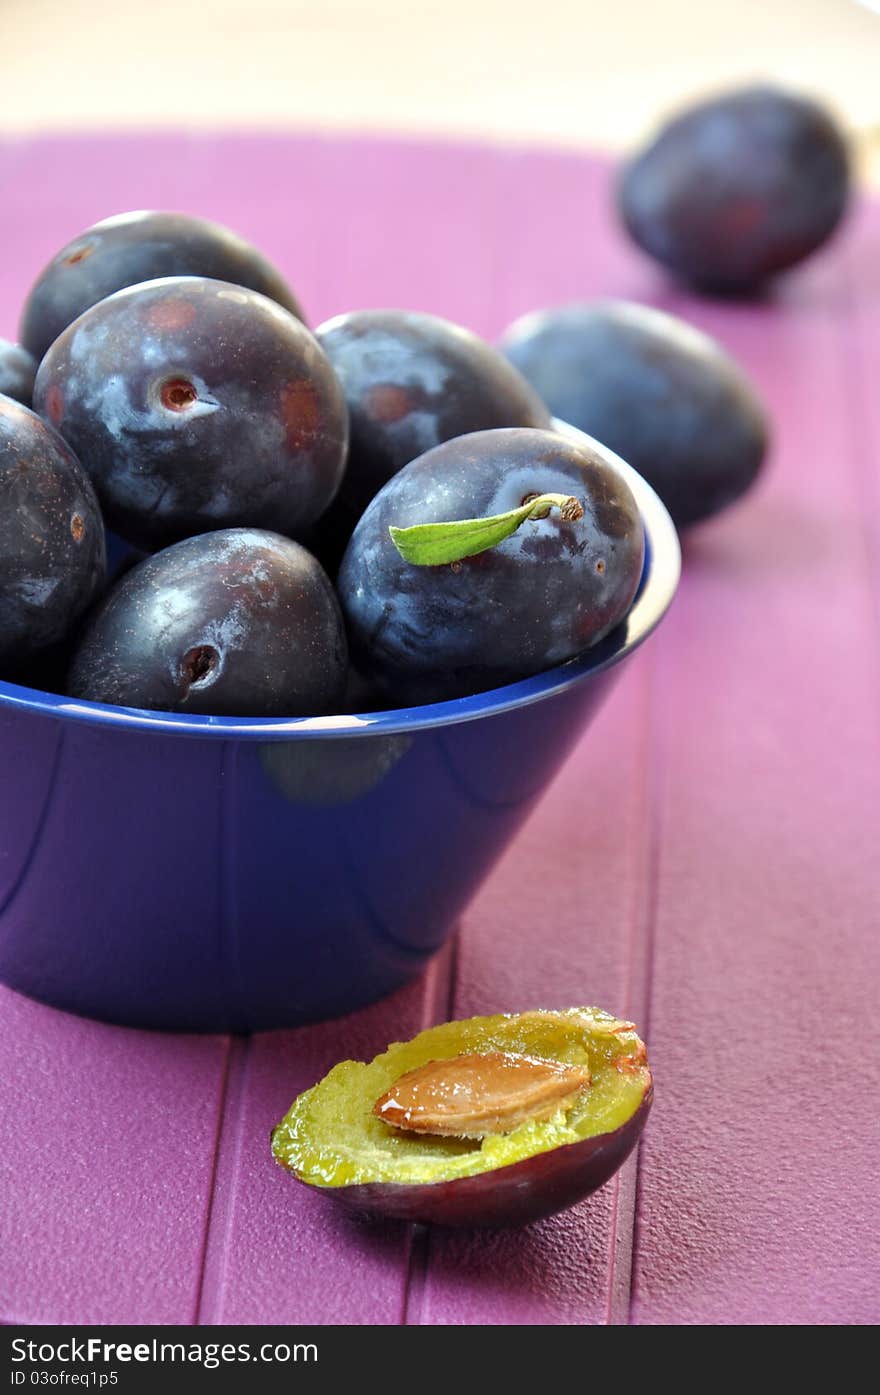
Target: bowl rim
658,586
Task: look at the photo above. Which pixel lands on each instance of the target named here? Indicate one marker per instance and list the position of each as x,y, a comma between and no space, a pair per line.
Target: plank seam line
439,1007
643,991
221,1194
622,1206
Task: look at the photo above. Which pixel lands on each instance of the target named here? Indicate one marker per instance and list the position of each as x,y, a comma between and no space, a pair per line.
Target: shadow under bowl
238,874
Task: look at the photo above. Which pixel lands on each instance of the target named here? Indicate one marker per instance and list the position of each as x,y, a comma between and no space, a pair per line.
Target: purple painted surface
759,1182
106,1167
706,861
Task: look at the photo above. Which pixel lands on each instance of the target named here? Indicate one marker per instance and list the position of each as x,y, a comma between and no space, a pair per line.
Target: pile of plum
378,512
239,455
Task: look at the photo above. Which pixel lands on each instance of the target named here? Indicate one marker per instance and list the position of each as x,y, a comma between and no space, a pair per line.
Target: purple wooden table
710,852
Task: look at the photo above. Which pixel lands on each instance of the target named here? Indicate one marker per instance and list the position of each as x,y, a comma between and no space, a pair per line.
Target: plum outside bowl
237,874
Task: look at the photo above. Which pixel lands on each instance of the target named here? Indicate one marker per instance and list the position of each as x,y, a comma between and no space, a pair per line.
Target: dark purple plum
536,599
655,390
18,369
52,562
133,247
194,405
412,381
237,623
507,1174
738,188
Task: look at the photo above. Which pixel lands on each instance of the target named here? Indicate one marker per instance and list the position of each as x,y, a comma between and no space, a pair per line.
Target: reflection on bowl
221,874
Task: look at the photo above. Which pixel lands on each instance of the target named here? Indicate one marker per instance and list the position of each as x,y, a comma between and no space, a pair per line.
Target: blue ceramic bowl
219,874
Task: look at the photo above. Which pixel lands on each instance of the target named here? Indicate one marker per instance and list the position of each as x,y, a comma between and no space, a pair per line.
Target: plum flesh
143,246
18,369
661,394
195,404
738,188
331,1139
238,622
428,633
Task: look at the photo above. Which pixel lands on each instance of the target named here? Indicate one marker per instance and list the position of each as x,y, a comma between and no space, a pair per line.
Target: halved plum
336,1136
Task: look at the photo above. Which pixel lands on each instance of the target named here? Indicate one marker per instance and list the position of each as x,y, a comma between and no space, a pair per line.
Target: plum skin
658,392
514,1195
538,598
195,404
52,557
738,188
238,622
142,246
412,381
18,369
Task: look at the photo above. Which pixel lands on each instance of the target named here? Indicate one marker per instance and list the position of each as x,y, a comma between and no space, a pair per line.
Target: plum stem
436,544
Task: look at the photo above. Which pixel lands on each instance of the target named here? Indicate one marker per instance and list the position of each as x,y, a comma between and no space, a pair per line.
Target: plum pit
481,1093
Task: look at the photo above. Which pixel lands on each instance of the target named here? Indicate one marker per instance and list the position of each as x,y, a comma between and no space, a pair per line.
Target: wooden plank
761,1163
558,924
106,1164
397,225
279,1252
573,932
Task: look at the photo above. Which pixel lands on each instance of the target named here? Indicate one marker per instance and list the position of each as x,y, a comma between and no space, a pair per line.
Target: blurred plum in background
738,188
